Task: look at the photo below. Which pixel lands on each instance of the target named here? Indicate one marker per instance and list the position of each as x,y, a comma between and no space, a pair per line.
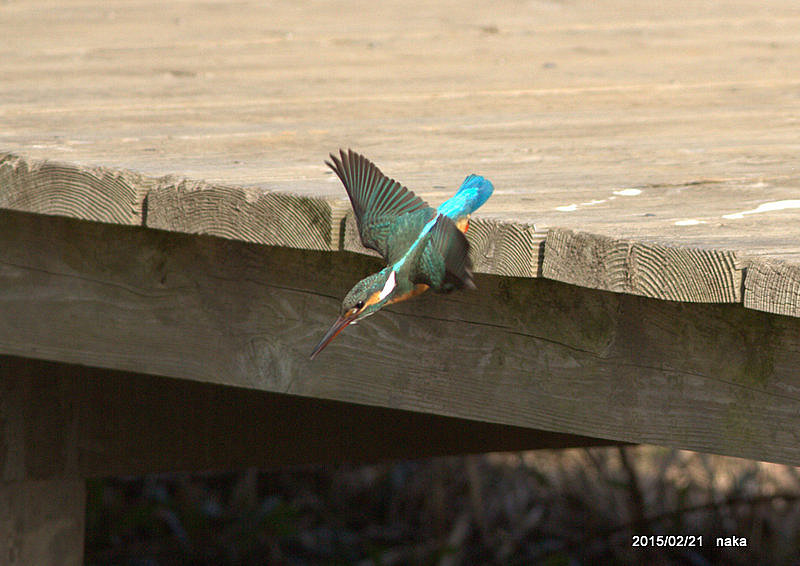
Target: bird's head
366,297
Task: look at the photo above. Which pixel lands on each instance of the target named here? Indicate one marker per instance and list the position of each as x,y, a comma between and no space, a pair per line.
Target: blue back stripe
474,191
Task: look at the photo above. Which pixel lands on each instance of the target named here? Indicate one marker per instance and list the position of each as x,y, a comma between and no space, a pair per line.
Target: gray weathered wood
63,422
505,247
247,214
531,352
772,285
42,522
89,193
585,116
642,268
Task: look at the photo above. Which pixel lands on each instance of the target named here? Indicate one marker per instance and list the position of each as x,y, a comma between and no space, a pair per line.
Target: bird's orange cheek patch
373,298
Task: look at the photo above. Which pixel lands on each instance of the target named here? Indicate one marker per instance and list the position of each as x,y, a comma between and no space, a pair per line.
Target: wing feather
377,199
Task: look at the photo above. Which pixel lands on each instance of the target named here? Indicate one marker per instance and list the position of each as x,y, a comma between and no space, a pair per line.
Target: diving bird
424,248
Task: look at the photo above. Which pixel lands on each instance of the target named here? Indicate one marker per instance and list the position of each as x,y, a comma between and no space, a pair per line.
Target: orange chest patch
418,289
463,224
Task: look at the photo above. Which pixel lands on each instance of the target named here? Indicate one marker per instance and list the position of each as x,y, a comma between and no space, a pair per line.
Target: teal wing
444,263
377,200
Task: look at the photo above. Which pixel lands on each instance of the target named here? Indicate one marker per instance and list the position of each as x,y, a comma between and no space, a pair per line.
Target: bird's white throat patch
391,283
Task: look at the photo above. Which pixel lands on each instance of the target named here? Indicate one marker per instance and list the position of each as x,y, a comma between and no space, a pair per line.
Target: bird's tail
474,191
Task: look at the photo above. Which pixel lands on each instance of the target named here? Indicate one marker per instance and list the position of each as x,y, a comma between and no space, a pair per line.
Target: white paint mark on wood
628,192
622,192
690,222
766,207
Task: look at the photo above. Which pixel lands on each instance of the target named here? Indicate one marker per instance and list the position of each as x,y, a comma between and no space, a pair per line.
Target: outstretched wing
445,263
377,200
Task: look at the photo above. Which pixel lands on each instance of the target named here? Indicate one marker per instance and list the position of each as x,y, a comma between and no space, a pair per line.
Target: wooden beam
42,522
686,162
532,353
68,421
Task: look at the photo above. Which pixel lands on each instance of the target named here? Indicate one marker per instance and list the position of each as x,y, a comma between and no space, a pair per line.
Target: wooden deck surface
640,126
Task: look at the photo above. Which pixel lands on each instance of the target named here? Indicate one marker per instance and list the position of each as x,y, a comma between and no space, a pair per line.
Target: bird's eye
360,305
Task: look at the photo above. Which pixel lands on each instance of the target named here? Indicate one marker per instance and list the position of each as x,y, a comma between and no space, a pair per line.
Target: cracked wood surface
614,126
532,353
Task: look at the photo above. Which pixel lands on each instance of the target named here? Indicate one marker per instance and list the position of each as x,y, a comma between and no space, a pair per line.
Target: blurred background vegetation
570,507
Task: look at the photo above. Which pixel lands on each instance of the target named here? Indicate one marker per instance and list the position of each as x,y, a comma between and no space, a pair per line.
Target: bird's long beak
332,332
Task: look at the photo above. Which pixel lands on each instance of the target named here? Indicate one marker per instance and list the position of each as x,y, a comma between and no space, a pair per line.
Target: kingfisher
424,248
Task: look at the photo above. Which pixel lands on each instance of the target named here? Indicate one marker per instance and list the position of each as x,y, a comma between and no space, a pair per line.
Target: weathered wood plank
532,352
640,268
64,421
89,193
585,116
169,203
505,247
248,214
498,247
772,285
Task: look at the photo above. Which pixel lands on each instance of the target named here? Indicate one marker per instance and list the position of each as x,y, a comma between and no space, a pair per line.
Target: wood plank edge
173,203
273,218
772,285
498,246
674,273
67,189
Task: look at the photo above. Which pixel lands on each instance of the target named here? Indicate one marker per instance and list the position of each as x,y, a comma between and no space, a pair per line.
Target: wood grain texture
499,247
773,285
533,353
647,269
505,247
89,193
63,421
251,215
671,124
